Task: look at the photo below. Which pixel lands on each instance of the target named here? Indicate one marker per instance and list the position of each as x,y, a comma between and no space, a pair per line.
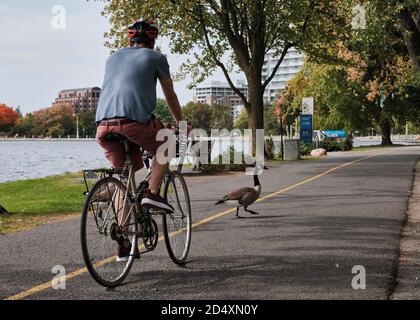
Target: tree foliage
162,111
388,53
87,123
271,123
205,117
56,121
229,34
394,23
8,117
340,103
374,85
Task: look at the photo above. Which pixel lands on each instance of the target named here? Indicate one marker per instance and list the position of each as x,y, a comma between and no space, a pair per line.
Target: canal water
36,159
22,160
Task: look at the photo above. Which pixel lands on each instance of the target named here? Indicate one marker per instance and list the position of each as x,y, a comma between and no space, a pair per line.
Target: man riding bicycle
127,103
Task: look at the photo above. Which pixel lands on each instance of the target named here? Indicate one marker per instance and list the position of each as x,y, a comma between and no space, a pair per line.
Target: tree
221,118
205,117
243,30
55,121
198,115
24,126
386,49
60,120
402,18
271,124
340,101
409,15
87,122
242,121
39,119
8,117
162,111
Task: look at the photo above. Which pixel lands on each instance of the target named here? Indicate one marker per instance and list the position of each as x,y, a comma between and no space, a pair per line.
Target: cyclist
127,103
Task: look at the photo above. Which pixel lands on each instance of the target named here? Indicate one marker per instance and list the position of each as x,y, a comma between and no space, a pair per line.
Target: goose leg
251,212
237,213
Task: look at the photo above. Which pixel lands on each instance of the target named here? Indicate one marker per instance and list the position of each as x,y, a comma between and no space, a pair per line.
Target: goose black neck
256,180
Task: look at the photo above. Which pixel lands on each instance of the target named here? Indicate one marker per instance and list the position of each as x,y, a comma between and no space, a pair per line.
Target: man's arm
172,99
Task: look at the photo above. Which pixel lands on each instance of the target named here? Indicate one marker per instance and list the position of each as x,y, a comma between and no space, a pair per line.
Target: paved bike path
303,245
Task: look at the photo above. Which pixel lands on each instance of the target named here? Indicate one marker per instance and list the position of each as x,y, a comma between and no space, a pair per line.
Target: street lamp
77,125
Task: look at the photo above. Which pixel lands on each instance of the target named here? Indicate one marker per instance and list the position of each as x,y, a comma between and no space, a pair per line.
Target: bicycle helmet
143,31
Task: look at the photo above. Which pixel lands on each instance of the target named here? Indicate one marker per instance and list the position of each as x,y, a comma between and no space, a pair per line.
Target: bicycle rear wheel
103,229
177,226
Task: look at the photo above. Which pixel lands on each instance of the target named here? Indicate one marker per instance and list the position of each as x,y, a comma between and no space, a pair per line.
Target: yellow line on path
76,273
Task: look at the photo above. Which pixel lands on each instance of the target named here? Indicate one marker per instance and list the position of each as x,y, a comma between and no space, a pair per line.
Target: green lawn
42,196
376,147
35,202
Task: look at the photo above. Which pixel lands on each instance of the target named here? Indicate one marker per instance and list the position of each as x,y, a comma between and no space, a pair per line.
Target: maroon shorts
138,134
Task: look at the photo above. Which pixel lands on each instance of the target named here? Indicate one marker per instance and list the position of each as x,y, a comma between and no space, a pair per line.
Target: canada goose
244,197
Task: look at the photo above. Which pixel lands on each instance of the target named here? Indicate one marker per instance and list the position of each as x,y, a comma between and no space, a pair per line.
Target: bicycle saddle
115,137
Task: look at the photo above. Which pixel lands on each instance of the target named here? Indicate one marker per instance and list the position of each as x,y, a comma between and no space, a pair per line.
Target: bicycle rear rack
90,177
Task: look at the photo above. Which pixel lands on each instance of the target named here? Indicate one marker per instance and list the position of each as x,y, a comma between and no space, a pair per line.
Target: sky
38,60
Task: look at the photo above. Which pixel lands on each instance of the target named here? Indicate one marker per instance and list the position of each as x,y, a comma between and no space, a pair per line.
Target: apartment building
291,65
217,93
84,99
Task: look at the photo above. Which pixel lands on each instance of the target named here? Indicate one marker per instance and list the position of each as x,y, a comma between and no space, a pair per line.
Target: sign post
306,120
308,106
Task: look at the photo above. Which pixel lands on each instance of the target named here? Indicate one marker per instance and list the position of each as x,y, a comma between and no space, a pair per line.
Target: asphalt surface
303,245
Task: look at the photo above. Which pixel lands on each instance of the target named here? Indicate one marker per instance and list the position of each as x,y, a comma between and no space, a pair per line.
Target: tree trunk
411,37
256,110
386,133
412,43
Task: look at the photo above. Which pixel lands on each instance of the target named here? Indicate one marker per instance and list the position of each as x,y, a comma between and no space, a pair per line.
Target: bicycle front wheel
108,220
177,226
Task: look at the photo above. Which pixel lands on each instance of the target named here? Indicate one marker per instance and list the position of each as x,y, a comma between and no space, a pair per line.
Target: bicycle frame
134,193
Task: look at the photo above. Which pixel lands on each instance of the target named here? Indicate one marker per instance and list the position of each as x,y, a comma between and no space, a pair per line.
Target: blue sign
335,134
306,128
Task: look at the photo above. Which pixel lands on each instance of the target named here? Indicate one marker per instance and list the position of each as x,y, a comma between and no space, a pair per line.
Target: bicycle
104,224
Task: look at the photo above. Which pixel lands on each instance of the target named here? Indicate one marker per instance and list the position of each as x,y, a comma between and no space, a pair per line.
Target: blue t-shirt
129,88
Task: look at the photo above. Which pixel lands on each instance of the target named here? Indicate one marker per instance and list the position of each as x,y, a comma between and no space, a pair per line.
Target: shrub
348,143
269,149
220,167
331,145
305,148
337,145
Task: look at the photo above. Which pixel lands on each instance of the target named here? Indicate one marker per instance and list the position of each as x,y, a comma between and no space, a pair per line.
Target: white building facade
217,93
291,65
